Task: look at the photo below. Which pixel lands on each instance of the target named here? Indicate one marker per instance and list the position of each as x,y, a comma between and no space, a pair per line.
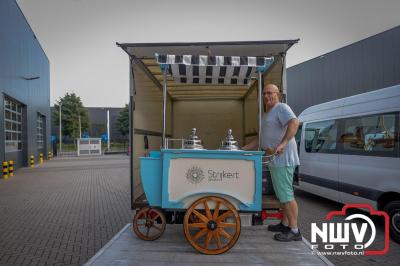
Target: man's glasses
269,92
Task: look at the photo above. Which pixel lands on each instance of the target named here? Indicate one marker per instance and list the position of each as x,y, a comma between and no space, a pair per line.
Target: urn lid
193,141
229,143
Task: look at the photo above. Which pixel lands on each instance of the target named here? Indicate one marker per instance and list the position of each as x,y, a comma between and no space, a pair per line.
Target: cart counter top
204,151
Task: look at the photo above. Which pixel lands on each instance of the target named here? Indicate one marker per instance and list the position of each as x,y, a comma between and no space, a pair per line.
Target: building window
12,125
369,135
321,136
39,131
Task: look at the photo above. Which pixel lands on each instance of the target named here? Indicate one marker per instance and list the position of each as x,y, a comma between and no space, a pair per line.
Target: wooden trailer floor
254,247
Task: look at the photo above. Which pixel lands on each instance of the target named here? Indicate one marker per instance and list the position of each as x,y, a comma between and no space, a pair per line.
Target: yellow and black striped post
11,168
49,156
41,158
5,170
32,161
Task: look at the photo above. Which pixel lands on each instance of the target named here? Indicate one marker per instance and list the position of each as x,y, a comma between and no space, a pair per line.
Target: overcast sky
79,36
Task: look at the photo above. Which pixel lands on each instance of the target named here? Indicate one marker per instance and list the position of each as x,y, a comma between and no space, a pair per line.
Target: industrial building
24,89
97,124
366,65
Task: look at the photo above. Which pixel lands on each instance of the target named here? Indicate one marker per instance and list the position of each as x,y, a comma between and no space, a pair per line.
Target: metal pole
164,105
60,128
80,127
244,121
259,108
131,129
283,82
108,129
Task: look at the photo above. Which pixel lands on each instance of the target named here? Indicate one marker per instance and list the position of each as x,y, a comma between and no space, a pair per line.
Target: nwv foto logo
337,235
340,232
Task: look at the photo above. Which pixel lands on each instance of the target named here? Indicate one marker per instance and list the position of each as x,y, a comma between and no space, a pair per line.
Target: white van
349,151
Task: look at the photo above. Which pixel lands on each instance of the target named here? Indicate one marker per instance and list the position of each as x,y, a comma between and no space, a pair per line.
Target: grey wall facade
22,58
367,65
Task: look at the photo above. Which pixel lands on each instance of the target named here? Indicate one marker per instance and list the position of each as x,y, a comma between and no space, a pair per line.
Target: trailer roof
241,48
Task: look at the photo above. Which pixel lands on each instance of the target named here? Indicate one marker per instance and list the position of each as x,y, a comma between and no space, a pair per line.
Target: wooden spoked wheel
149,223
211,225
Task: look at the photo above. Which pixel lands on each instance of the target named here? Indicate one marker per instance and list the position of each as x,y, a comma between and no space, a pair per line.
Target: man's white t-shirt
273,128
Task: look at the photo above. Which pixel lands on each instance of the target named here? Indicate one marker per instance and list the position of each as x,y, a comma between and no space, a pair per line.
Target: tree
123,121
71,109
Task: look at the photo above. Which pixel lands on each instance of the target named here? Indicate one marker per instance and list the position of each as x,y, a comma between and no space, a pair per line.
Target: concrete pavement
63,212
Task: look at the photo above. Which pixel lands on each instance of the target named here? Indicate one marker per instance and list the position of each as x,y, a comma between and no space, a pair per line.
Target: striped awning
203,69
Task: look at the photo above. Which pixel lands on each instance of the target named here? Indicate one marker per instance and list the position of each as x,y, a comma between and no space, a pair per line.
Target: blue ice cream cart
211,185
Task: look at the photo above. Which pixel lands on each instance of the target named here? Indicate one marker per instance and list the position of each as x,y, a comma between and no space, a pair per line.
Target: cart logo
195,175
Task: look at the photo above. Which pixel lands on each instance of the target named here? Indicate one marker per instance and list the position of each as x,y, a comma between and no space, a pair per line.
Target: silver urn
193,142
229,143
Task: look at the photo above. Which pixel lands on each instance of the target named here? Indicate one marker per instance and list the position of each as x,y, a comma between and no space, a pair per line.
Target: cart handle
267,159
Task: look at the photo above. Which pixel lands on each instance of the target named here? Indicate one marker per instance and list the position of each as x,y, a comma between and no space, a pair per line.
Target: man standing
279,125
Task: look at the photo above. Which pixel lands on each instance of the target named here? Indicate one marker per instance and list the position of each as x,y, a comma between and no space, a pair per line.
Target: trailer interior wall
147,121
250,116
212,118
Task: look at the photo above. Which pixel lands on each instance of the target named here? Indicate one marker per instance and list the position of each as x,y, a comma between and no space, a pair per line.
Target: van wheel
393,210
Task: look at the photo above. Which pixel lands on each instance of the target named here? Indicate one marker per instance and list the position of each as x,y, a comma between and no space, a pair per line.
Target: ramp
255,247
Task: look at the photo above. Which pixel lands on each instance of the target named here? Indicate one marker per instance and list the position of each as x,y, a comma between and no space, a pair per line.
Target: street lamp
60,128
108,129
80,127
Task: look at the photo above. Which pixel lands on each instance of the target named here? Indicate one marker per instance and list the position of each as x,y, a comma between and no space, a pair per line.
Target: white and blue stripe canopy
203,69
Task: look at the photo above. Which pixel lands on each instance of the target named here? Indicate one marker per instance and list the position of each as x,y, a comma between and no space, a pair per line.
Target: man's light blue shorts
282,180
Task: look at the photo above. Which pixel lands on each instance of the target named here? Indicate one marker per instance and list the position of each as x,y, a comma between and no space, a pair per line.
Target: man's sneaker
288,236
278,228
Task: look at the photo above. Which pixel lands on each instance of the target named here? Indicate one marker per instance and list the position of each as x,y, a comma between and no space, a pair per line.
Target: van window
297,137
321,136
369,134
